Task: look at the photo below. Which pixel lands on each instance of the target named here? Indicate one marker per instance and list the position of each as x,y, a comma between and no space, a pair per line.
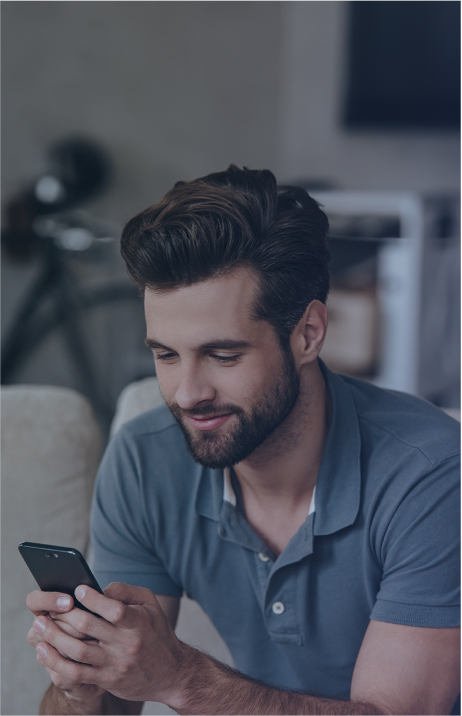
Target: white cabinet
381,318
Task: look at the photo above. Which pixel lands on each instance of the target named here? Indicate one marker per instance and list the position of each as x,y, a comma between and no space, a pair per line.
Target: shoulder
149,448
151,431
391,418
147,475
151,423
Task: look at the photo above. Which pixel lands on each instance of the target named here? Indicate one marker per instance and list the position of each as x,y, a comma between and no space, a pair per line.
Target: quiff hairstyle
211,226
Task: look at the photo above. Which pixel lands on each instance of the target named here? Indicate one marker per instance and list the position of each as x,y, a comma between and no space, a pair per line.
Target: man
314,517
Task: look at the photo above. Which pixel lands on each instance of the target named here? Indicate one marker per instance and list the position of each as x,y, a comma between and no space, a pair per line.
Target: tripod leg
80,355
29,327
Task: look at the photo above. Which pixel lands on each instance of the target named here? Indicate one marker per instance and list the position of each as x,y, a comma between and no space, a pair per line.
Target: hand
53,604
50,607
133,652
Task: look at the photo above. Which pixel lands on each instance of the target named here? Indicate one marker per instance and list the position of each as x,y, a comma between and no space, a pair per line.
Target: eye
226,359
165,357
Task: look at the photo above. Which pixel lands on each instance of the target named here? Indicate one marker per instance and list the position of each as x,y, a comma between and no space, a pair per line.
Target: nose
194,388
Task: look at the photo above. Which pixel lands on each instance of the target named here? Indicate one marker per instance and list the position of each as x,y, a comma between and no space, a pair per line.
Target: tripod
57,301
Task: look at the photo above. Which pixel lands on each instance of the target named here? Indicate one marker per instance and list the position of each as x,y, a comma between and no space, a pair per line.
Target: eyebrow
218,345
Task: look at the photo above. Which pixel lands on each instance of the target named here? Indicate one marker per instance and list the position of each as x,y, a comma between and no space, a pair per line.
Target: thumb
129,594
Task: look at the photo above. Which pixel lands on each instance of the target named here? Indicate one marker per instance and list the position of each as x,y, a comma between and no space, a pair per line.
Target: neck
286,465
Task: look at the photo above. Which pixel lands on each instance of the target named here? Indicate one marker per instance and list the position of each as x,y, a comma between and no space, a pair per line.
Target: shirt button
278,608
263,557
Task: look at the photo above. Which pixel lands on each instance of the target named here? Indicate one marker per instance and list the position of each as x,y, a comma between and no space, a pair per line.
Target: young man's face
222,373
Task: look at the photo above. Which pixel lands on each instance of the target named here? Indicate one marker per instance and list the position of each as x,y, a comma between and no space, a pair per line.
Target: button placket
262,565
281,613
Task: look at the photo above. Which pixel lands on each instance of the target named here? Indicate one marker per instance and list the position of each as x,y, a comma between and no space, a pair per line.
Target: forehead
221,305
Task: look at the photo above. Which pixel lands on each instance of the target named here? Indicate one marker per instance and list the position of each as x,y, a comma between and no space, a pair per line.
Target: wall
312,142
174,90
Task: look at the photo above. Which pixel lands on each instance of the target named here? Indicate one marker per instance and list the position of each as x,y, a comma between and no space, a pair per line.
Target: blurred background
107,104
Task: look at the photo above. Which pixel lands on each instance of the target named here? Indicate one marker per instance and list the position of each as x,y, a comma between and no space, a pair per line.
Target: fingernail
39,625
42,650
63,602
80,592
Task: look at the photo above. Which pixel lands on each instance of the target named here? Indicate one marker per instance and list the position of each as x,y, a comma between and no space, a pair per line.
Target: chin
208,452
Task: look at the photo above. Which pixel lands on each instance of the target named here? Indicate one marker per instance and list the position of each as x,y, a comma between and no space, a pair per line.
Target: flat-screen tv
403,65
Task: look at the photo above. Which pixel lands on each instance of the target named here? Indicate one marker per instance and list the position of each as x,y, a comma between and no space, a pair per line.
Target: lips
211,423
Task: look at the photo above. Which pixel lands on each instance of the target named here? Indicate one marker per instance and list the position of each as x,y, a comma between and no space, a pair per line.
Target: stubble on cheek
231,443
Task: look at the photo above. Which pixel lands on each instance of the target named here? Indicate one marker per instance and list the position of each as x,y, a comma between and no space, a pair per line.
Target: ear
308,336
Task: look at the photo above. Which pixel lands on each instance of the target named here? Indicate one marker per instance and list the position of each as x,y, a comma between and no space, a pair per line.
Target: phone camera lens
47,554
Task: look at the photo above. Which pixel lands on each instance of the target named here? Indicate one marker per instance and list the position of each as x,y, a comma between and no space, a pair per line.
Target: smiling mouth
208,423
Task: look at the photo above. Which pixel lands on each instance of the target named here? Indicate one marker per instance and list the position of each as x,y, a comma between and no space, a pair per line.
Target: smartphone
58,569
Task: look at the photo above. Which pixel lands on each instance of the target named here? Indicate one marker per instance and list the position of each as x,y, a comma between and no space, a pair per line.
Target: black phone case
62,571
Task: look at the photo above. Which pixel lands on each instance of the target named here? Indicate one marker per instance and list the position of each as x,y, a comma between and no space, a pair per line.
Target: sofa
51,448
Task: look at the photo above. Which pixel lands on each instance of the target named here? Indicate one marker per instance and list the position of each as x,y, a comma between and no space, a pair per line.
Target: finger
72,673
83,691
67,627
62,683
86,625
112,610
114,605
33,638
87,652
129,594
43,602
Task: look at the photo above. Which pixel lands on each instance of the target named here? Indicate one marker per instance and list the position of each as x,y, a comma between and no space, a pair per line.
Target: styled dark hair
240,217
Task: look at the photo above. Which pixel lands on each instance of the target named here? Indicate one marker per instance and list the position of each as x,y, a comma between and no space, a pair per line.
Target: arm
408,670
400,669
64,697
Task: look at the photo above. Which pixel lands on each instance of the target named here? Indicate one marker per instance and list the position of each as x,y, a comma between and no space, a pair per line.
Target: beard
214,450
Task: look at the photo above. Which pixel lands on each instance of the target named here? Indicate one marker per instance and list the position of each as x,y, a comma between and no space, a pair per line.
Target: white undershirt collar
229,495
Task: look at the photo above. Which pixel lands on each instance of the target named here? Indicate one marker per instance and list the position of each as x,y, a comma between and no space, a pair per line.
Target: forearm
57,702
213,688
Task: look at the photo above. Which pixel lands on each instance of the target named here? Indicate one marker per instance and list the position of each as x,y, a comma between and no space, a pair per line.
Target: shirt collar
339,479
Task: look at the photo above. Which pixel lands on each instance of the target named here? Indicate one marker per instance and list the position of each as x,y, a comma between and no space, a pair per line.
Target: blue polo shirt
381,540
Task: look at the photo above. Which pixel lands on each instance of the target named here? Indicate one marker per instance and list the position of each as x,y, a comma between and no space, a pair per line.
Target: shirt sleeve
420,553
121,535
